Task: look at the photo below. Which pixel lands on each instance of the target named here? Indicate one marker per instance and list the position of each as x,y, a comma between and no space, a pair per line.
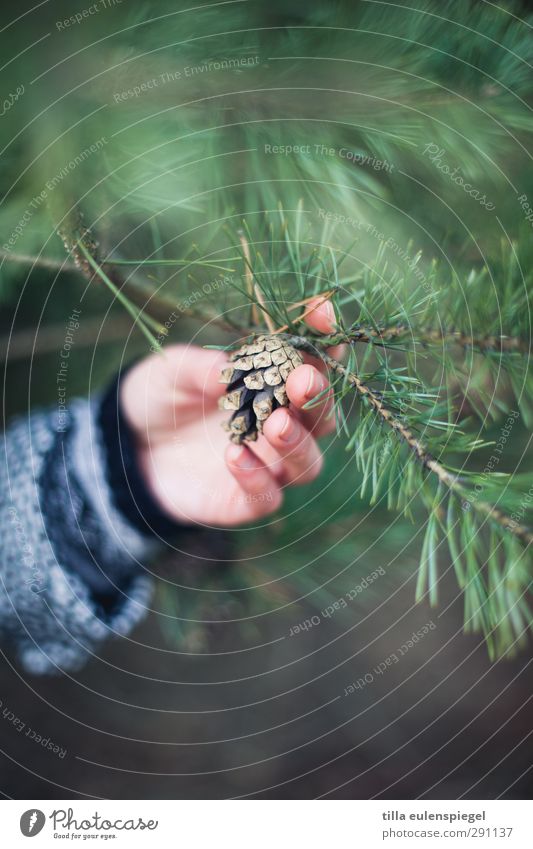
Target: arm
84,508
72,559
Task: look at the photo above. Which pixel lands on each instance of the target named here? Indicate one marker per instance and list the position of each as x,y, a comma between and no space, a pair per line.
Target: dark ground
142,722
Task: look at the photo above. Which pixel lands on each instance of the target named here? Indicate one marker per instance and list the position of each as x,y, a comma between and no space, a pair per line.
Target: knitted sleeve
77,531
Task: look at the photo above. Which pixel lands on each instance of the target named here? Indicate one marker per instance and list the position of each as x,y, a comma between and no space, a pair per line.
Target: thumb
192,370
182,376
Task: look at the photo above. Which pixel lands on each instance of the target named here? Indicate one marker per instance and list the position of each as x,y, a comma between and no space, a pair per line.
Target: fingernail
233,452
239,456
315,384
329,312
289,431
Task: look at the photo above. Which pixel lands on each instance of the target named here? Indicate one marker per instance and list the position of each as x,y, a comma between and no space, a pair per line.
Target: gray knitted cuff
53,523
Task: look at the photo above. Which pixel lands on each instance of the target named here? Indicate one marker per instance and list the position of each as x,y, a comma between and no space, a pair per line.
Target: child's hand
195,474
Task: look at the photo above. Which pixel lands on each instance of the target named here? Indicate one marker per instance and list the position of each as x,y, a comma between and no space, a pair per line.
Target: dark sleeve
78,531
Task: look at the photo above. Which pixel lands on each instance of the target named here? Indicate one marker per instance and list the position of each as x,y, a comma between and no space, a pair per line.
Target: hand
194,473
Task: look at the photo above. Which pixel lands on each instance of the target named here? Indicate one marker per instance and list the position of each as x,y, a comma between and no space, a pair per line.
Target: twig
38,262
254,289
504,344
160,308
24,344
144,320
250,279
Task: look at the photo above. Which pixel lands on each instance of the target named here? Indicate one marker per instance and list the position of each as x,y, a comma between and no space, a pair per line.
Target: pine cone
256,384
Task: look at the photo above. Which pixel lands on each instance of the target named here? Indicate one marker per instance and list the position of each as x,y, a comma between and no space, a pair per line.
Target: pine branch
416,446
80,244
478,518
495,577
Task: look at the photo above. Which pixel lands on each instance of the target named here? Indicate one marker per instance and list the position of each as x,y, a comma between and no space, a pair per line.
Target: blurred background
165,127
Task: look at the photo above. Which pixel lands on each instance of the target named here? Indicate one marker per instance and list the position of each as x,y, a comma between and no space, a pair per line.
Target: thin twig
25,344
252,290
504,344
38,262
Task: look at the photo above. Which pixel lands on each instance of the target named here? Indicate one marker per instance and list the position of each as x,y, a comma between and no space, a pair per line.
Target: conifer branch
417,447
420,452
80,244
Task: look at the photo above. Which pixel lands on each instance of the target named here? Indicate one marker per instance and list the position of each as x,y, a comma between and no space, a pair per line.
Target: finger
322,318
301,456
254,478
303,385
321,315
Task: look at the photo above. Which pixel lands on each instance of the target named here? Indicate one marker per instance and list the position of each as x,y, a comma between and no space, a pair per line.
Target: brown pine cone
256,384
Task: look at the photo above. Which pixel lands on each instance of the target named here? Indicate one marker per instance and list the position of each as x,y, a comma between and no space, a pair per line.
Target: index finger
320,315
